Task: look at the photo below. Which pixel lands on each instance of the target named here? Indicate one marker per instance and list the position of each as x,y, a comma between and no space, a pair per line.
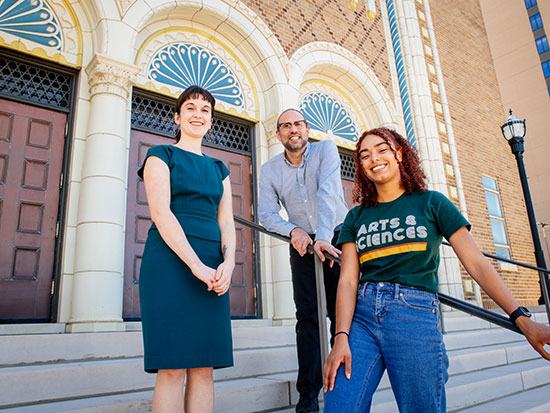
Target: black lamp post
514,131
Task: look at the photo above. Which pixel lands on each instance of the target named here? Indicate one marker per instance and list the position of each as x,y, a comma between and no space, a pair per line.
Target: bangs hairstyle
413,178
193,92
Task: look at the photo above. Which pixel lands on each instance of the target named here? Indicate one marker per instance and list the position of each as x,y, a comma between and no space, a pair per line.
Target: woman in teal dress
187,263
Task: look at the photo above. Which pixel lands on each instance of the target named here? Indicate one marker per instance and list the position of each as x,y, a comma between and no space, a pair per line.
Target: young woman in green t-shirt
387,313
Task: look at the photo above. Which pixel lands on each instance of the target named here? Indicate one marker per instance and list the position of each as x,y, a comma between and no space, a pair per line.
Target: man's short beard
288,146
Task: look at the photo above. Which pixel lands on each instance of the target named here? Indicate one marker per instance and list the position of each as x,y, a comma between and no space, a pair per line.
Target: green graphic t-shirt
399,241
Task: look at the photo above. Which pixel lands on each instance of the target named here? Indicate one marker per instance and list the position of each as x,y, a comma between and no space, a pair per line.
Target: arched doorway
231,141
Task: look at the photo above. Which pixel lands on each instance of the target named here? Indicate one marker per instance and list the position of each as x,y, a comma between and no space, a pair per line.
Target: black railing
463,306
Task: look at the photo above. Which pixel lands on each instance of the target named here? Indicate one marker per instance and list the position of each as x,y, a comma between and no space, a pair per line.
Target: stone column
99,253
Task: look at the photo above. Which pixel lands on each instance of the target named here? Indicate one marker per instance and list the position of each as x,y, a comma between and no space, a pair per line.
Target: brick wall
296,23
477,114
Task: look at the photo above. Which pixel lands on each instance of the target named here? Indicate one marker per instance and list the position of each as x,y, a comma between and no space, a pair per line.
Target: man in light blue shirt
305,180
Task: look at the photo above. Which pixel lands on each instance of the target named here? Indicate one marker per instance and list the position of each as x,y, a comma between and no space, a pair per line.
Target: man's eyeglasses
299,124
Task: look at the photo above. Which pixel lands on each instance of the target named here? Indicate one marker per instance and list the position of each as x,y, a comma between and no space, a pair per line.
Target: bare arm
345,308
156,177
228,240
483,272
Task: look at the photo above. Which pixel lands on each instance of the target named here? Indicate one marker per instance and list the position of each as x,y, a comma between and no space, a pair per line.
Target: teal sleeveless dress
184,325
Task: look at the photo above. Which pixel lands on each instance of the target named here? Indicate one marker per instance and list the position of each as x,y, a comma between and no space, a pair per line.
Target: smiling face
379,161
293,131
194,117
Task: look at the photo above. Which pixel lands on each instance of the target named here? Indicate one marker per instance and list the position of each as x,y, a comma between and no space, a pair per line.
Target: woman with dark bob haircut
387,312
187,263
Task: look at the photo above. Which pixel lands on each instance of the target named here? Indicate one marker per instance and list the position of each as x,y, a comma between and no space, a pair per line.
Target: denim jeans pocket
419,301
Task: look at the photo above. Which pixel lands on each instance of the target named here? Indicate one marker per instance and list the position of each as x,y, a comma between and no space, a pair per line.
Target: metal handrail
443,298
496,257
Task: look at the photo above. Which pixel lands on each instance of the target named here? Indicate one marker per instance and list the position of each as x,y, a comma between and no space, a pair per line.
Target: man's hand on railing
300,240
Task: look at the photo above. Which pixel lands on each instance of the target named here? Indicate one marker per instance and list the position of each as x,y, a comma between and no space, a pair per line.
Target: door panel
348,192
31,155
138,222
242,281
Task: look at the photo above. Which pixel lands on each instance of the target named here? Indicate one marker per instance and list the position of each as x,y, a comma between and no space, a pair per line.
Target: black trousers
307,327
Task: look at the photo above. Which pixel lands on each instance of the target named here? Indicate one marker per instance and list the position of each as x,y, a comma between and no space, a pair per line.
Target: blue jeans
395,328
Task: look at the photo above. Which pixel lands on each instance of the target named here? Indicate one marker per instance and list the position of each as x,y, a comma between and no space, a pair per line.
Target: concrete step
471,389
460,322
531,401
234,396
49,348
98,377
107,376
37,383
480,338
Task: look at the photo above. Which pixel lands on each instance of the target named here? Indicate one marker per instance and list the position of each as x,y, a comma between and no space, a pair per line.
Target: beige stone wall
477,113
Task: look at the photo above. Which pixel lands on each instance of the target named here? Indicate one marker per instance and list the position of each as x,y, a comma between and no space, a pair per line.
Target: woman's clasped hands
222,278
218,279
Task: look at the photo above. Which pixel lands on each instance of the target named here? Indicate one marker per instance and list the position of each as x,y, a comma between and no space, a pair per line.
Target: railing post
321,308
543,277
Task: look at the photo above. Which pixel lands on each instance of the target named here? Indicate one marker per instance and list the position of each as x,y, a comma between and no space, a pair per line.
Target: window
546,68
530,3
542,44
498,226
536,21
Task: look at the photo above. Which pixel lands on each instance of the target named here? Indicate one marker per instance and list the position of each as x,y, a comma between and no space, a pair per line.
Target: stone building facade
89,85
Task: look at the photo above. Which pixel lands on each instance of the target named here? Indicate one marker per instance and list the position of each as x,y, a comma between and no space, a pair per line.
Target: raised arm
228,240
156,177
483,272
345,307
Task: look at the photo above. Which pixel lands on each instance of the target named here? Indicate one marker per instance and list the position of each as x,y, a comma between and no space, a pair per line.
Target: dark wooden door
31,155
242,281
347,185
138,221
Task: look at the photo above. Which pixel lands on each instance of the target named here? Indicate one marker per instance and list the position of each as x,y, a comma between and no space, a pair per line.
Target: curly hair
413,178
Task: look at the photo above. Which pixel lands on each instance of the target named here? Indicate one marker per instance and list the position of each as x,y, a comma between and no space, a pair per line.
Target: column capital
106,75
270,128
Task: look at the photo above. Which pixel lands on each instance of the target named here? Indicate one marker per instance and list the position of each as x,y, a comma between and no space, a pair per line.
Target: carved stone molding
270,127
123,6
106,75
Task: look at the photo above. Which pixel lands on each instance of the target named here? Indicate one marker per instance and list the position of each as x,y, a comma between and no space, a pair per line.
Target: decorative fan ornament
32,20
326,114
186,64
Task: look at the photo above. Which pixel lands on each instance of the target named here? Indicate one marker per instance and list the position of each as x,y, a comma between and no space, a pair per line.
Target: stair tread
141,401
88,378
480,338
528,401
34,348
